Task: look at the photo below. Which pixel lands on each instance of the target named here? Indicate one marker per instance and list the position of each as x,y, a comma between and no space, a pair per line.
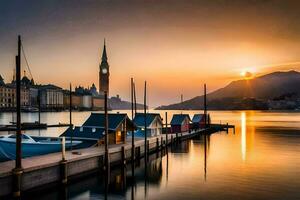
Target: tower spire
104,56
104,72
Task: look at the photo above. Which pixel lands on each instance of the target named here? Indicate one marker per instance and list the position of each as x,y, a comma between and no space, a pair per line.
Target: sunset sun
246,74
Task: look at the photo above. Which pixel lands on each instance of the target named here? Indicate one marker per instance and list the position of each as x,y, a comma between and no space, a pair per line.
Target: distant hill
246,94
116,103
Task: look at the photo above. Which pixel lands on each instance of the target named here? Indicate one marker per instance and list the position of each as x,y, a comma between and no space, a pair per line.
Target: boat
29,109
31,146
28,125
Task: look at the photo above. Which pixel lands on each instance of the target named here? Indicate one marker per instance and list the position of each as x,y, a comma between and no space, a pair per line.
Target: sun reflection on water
243,135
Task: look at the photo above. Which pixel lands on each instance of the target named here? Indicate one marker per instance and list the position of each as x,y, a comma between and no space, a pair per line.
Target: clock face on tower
104,71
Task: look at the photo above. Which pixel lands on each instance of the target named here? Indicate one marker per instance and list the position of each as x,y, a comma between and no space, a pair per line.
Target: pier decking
42,170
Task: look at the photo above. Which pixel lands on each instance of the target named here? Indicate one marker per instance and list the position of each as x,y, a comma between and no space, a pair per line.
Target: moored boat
31,146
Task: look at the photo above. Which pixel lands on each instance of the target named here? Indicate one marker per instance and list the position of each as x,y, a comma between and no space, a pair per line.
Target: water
260,161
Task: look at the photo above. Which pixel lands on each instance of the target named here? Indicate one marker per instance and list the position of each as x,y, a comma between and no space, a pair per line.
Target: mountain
116,103
246,94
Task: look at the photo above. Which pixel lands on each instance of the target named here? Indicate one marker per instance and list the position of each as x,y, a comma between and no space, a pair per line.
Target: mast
205,107
70,110
132,117
106,132
17,171
39,105
145,118
18,96
134,95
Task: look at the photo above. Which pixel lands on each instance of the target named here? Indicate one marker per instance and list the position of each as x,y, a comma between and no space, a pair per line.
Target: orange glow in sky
176,52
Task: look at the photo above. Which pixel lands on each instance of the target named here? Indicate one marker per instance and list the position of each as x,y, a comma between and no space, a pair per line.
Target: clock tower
104,73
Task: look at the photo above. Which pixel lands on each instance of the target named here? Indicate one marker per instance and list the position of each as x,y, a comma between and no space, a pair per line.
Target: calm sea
261,160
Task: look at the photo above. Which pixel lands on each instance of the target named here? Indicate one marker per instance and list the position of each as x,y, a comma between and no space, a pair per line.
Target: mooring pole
39,105
134,93
70,116
17,171
166,116
205,156
70,105
106,132
132,117
205,108
145,118
63,162
181,100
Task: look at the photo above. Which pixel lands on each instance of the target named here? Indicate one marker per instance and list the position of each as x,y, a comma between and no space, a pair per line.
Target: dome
25,81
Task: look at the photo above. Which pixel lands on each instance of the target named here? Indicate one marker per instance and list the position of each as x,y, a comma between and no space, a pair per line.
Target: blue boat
31,146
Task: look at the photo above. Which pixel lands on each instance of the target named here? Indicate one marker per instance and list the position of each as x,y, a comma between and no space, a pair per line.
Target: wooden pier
31,126
46,169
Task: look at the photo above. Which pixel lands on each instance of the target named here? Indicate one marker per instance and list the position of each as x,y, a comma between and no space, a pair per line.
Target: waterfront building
8,93
84,99
198,121
34,95
66,99
87,101
180,123
51,97
153,123
1,81
93,90
76,101
8,96
104,73
98,103
94,128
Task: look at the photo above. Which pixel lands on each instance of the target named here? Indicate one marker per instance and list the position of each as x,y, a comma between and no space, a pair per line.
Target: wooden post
148,149
70,115
166,116
205,108
227,127
63,149
132,117
157,144
134,93
63,163
145,119
18,96
18,171
123,155
106,132
39,105
138,153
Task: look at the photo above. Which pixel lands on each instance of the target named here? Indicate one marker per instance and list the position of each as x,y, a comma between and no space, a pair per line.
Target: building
94,128
34,95
104,73
180,123
198,121
98,103
87,101
93,90
85,94
1,81
83,98
76,101
153,123
51,97
8,96
8,93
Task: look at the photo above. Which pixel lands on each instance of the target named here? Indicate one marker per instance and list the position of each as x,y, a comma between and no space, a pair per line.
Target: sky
175,45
